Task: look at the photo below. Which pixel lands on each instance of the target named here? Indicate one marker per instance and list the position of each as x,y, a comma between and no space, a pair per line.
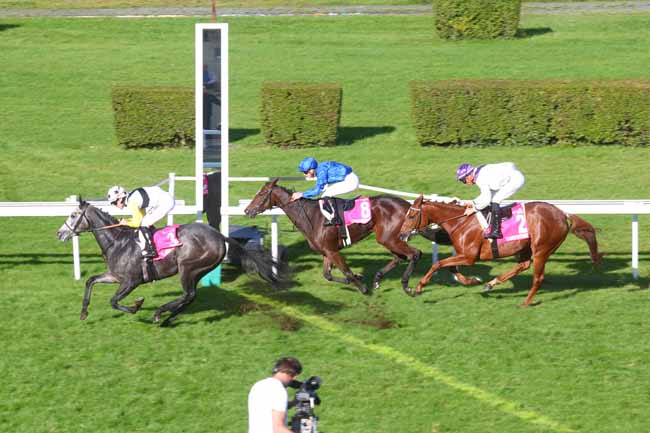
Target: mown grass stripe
506,406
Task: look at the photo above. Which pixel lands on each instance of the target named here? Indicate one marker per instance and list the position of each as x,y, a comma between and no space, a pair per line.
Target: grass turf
450,361
95,4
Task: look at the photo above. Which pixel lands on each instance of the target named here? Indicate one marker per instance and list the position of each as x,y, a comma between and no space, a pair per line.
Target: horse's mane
103,215
435,198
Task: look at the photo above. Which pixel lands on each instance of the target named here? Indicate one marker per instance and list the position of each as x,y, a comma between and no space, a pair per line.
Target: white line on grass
509,407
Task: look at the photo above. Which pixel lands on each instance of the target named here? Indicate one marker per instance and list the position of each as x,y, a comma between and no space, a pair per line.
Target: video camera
305,421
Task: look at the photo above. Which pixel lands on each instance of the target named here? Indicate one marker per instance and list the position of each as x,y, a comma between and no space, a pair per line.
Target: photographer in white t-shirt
268,398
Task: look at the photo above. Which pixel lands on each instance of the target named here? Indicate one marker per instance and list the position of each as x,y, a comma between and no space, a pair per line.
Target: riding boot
496,221
149,250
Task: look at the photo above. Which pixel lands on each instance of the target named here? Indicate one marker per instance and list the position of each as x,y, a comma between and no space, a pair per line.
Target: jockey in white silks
147,206
497,182
332,179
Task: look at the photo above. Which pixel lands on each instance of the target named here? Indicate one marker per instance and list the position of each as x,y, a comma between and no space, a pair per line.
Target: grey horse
202,249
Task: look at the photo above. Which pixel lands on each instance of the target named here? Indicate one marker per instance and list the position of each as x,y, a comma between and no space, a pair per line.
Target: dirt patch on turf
283,321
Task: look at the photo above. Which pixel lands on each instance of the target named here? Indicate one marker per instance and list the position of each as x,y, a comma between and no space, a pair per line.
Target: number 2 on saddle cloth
514,227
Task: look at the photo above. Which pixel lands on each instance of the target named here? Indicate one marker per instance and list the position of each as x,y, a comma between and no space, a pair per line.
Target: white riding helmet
115,193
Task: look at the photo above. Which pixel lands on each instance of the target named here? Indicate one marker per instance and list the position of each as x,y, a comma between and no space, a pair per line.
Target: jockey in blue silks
497,182
332,179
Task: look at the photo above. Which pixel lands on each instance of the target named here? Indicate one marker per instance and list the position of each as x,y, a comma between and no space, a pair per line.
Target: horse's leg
521,266
383,271
340,263
122,293
189,280
327,272
106,277
462,279
539,261
456,260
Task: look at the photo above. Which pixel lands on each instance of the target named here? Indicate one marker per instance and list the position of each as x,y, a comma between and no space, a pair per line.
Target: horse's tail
587,233
257,262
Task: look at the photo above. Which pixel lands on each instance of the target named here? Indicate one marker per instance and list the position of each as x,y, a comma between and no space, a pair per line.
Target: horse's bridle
440,223
77,222
258,208
419,211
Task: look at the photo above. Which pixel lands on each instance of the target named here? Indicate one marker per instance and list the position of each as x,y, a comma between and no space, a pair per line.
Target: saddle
342,204
339,207
506,212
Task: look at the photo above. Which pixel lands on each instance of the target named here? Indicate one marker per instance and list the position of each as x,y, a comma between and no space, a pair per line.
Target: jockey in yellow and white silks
147,206
497,182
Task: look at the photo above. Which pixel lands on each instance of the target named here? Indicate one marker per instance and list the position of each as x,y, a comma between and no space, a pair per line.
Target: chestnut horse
548,227
387,215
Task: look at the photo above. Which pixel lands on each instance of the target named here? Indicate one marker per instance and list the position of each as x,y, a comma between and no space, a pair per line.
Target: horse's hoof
138,303
167,322
83,316
156,318
488,287
375,285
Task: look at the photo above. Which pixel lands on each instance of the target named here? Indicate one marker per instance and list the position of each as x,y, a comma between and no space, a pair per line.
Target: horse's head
76,223
263,200
413,220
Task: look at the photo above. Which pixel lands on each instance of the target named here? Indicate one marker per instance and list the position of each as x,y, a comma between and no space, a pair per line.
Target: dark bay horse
387,215
202,249
548,227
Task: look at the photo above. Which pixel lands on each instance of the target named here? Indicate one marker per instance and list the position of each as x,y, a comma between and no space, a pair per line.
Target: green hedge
476,19
154,116
531,112
300,114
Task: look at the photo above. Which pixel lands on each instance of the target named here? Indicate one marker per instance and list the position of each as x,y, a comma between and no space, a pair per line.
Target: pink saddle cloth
361,213
514,228
166,240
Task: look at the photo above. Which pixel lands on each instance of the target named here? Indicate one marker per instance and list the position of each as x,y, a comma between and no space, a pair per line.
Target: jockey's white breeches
158,210
349,184
514,184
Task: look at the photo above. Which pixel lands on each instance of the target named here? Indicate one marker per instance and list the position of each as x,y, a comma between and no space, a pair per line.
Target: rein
419,210
73,228
112,226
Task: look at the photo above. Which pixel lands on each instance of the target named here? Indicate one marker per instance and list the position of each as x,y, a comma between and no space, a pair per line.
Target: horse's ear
419,200
274,181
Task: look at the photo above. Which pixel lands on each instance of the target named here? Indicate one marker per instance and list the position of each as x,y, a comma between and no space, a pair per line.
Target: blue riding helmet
307,164
463,171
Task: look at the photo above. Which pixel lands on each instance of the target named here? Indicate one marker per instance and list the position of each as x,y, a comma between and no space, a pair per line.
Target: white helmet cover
115,193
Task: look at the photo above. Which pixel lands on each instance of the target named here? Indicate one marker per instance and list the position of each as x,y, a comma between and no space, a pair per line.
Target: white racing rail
65,208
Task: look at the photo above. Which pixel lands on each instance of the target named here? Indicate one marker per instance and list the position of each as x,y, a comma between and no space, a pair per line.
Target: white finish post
274,239
635,246
75,257
225,137
172,192
434,252
198,112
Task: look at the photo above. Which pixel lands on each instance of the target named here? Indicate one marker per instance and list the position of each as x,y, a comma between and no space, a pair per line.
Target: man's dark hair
288,365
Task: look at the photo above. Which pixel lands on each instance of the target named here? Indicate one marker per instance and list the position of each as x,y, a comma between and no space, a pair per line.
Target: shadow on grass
532,32
26,259
237,134
4,27
582,276
350,134
227,303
